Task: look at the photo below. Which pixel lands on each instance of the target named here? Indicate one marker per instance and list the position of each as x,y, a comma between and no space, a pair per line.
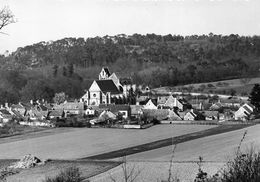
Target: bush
245,167
71,174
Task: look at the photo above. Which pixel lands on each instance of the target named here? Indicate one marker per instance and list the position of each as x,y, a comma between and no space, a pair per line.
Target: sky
46,20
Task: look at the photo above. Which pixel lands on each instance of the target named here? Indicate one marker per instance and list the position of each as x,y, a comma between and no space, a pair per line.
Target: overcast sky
44,20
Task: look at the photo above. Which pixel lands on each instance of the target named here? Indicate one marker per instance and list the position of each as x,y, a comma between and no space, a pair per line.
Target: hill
42,69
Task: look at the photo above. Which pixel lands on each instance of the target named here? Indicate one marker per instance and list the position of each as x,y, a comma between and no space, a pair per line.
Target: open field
241,86
52,168
84,142
167,142
215,150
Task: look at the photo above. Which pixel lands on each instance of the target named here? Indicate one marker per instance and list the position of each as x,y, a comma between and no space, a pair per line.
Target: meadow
216,150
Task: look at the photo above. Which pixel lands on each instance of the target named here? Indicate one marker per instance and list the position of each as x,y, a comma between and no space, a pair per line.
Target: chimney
31,102
6,105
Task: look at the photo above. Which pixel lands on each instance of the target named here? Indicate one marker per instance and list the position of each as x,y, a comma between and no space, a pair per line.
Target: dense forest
70,64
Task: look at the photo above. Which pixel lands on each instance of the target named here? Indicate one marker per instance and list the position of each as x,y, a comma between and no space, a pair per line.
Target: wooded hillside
69,64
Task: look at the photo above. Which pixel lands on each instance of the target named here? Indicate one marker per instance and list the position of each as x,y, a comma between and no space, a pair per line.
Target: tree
64,73
255,97
70,69
59,98
55,70
37,89
6,17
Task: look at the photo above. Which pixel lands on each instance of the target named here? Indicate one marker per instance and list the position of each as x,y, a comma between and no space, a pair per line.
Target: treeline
149,59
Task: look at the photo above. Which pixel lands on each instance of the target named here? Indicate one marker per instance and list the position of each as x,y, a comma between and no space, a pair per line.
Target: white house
244,112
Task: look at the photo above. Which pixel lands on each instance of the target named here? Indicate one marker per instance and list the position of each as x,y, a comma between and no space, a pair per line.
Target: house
231,102
193,115
216,106
172,102
124,110
5,115
104,117
244,112
35,114
70,107
56,114
190,116
151,104
211,115
19,108
136,110
142,99
90,111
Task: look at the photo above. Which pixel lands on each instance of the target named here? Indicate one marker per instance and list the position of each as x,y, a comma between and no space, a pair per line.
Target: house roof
158,114
4,112
249,111
107,86
18,106
70,106
56,113
211,113
17,114
114,108
27,106
154,101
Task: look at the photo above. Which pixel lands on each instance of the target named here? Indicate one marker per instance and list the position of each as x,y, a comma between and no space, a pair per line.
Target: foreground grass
53,168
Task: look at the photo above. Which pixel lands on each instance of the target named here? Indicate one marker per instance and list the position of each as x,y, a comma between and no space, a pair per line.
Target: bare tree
6,17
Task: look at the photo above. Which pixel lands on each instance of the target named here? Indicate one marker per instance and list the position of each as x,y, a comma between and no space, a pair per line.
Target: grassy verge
167,142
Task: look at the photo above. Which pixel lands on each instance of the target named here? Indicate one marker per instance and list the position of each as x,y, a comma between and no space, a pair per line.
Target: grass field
241,86
84,142
216,150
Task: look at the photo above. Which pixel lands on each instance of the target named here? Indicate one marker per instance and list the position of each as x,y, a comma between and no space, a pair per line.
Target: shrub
71,174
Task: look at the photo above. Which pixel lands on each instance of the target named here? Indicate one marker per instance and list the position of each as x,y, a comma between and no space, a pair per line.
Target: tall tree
255,97
6,17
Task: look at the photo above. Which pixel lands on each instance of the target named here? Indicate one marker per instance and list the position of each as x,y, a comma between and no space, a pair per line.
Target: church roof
107,86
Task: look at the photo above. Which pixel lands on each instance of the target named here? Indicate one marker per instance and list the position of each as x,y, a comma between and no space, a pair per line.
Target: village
114,102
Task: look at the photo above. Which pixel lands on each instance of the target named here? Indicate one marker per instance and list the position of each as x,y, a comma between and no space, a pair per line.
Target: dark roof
107,71
108,86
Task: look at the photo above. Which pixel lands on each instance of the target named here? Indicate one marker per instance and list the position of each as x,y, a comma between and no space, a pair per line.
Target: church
101,91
